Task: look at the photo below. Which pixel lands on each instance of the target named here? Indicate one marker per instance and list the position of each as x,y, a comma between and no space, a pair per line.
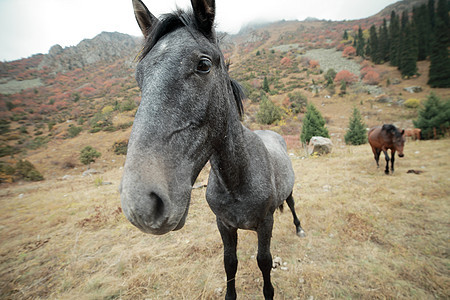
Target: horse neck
230,160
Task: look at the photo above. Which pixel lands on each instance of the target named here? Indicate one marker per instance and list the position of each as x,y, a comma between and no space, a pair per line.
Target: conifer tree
265,86
383,42
423,31
439,75
360,44
345,36
394,37
313,124
434,117
408,50
356,133
373,45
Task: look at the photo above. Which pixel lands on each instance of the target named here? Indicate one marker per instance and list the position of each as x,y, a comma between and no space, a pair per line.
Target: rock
277,261
90,172
383,99
66,177
413,89
319,145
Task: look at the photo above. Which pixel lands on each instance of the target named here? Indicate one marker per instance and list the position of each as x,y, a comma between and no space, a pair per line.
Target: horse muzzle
153,212
401,155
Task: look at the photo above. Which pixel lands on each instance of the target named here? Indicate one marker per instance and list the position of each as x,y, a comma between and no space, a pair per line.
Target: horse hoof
301,233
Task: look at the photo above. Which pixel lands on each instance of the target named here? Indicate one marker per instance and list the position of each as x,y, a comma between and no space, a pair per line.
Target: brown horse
385,137
413,133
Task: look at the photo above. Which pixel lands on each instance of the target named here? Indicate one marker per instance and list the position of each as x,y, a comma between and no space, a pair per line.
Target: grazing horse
190,113
413,133
385,137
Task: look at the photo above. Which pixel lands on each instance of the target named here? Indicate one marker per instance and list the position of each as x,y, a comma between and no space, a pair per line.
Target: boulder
413,89
319,145
90,172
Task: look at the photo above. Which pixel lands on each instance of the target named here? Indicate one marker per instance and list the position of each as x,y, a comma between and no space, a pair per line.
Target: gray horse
190,113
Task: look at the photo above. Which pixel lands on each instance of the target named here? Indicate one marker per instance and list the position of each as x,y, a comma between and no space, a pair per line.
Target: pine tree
408,51
313,125
383,42
423,31
345,36
265,86
434,117
373,45
439,75
394,38
356,134
360,44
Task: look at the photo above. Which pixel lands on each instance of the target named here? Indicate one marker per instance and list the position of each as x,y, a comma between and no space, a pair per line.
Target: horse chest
239,210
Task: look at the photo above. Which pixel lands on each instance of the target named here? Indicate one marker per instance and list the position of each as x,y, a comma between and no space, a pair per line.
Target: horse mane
172,21
389,128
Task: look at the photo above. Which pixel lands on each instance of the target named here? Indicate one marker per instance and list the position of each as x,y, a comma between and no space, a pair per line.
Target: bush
74,131
120,148
27,171
434,117
345,75
127,105
268,112
313,124
298,102
412,103
356,134
372,78
349,51
88,155
329,76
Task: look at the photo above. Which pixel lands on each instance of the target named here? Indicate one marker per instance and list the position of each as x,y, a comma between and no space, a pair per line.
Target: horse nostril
157,205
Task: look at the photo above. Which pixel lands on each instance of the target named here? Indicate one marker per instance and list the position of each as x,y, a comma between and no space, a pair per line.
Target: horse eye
204,65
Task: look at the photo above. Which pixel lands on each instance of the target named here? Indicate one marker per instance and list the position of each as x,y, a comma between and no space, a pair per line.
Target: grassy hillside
368,236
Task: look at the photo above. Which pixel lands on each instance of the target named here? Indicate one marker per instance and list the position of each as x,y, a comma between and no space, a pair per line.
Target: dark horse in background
190,113
383,138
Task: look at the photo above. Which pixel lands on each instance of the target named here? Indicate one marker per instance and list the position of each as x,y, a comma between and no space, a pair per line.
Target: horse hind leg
291,204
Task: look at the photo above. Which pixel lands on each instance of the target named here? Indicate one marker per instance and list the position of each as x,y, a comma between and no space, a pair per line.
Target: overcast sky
32,26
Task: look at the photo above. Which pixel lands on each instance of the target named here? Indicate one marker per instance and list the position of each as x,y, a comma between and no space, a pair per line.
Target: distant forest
408,38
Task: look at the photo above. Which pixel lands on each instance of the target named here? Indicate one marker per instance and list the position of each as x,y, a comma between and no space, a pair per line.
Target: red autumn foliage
372,78
349,51
313,64
345,75
286,61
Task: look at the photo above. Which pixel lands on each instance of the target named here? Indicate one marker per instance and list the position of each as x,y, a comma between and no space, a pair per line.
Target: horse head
181,119
398,138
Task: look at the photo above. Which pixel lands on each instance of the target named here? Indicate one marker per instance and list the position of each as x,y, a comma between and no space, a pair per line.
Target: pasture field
368,236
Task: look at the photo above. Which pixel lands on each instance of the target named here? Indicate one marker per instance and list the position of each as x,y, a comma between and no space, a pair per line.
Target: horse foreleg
386,156
392,160
264,256
298,227
229,239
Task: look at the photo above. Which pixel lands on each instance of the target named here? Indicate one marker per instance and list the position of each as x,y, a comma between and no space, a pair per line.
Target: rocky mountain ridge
107,47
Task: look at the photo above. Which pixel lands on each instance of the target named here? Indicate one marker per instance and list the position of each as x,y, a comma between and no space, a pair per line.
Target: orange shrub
345,75
372,78
349,51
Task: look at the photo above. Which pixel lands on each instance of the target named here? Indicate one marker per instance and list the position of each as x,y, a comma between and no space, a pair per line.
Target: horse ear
204,11
144,17
403,132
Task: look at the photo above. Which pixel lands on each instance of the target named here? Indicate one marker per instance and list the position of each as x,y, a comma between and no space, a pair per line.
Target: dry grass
368,236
